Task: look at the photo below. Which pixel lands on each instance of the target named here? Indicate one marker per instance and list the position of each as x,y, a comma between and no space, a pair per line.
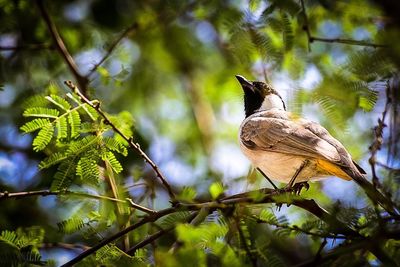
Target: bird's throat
272,101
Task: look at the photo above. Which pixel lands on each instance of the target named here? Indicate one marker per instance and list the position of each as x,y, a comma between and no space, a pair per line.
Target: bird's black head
255,93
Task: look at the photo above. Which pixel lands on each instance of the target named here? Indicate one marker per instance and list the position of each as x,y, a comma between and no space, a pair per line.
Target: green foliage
75,151
20,248
187,194
71,225
216,189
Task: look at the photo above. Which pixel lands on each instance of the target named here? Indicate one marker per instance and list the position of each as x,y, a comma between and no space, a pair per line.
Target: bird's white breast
282,167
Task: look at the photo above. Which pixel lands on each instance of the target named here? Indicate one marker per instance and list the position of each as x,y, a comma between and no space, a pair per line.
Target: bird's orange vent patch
332,169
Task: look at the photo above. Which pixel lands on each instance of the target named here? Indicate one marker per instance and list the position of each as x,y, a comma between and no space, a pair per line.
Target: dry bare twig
82,80
113,45
16,195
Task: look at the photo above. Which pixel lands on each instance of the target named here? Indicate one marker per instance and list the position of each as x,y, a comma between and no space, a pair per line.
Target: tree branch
306,26
133,145
62,49
113,45
272,196
44,193
320,249
346,41
311,38
286,197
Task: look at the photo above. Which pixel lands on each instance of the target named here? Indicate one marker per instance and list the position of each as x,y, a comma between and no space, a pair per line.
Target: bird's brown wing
295,138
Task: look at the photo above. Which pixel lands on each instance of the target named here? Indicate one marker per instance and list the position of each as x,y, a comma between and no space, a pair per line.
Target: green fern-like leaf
64,176
88,170
59,102
312,225
282,233
74,149
74,120
82,145
273,260
87,127
241,45
53,159
35,101
110,157
263,43
187,194
172,219
367,100
370,65
34,125
41,112
108,253
71,225
20,248
115,145
8,237
90,111
32,258
287,32
62,128
43,138
268,217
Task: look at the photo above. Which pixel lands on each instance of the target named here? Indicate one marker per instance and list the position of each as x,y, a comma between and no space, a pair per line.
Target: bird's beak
246,85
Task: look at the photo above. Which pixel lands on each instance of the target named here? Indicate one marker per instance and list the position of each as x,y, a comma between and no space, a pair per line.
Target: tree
130,110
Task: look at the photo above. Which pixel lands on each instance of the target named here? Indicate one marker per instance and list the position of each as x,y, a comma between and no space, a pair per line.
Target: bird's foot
296,188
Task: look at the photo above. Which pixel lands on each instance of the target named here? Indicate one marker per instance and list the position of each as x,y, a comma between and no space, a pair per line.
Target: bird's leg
292,181
278,206
266,177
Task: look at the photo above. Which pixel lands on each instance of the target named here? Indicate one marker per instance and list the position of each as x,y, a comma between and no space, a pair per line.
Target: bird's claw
299,186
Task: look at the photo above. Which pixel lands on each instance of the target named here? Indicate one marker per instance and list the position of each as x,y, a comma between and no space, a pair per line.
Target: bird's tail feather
371,191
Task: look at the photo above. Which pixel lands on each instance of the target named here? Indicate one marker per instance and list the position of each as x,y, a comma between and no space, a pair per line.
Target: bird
291,149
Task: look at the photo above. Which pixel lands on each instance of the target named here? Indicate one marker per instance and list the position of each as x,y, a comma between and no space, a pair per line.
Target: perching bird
290,149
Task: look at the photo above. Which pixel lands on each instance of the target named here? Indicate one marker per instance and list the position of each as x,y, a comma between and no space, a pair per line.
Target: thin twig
113,45
133,145
346,41
63,245
378,139
311,38
82,81
387,167
319,252
306,26
44,193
